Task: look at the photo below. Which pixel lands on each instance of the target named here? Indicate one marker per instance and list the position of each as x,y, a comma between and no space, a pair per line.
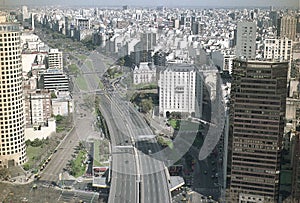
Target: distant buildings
258,97
286,27
180,90
82,23
223,60
144,73
12,141
246,40
55,59
278,49
148,41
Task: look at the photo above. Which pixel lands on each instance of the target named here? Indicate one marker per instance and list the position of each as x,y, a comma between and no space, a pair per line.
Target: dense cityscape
136,104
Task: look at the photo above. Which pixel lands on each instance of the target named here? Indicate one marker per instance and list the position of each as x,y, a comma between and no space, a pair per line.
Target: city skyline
166,3
134,102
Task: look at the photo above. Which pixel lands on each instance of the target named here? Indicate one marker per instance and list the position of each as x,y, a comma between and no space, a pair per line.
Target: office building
223,59
37,107
148,41
273,15
180,90
246,40
258,104
279,49
55,59
12,142
296,168
286,27
82,23
54,80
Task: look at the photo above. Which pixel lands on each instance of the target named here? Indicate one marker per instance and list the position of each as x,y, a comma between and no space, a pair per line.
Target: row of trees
37,142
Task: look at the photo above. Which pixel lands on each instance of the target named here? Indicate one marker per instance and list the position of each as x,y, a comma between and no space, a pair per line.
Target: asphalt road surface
136,177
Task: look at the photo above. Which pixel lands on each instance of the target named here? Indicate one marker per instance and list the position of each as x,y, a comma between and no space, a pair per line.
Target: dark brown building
286,27
258,94
296,169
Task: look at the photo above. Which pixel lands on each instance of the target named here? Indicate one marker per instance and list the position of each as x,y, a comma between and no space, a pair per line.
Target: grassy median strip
73,69
80,81
77,165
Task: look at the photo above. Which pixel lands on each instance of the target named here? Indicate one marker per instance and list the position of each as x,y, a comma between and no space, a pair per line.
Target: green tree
146,105
58,118
4,174
36,142
28,142
26,166
122,61
53,95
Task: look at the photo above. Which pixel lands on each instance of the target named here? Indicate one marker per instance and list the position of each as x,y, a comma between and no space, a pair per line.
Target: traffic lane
123,163
123,188
66,149
155,183
152,168
77,195
206,182
60,157
149,179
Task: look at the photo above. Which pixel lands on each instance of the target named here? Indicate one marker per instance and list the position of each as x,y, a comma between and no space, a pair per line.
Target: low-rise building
62,105
37,107
144,73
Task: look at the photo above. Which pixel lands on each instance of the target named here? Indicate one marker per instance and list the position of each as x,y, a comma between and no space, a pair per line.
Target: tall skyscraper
148,41
259,90
286,27
246,40
12,142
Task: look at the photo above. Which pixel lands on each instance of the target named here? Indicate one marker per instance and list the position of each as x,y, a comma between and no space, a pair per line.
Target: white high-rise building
55,59
12,141
180,90
246,40
279,49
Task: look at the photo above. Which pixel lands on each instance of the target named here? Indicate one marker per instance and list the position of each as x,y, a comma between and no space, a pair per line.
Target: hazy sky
170,3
